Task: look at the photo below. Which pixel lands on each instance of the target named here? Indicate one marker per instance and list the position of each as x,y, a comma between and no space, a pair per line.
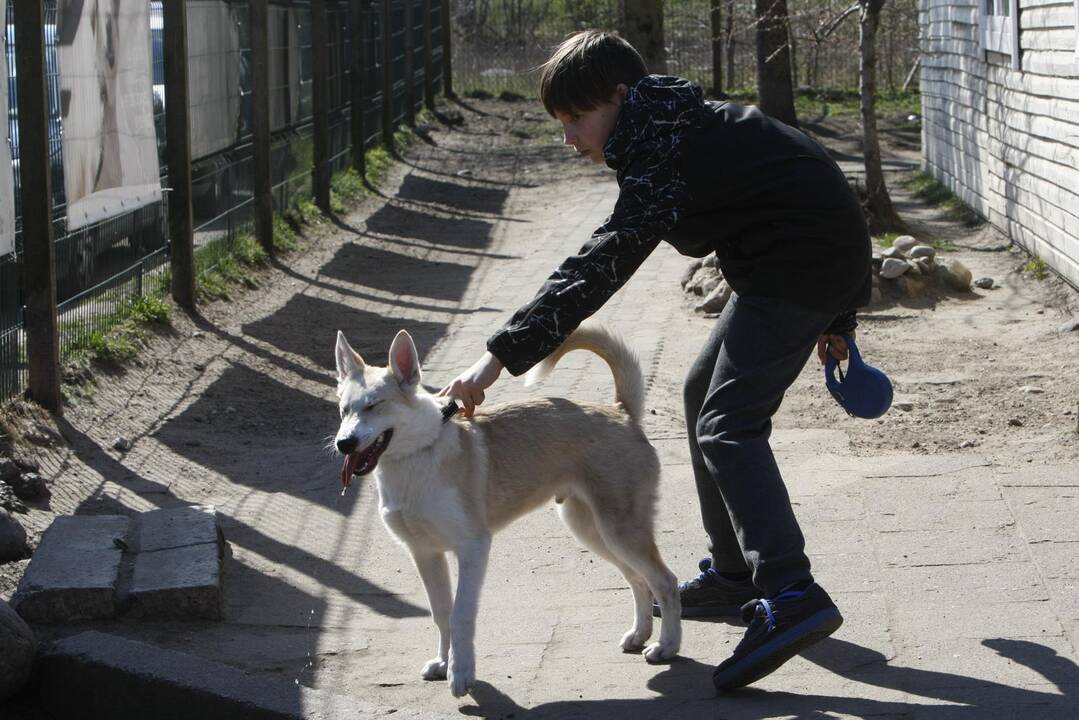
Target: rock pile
19,483
905,270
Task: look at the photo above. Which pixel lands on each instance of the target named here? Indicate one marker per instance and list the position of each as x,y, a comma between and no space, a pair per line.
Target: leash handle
450,410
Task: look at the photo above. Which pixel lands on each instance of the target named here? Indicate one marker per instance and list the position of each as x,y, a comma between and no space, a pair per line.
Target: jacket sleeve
652,194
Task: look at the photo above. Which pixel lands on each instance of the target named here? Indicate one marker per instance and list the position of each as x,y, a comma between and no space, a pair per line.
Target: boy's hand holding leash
833,345
467,388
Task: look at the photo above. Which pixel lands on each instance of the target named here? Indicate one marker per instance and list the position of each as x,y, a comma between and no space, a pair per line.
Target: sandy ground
234,407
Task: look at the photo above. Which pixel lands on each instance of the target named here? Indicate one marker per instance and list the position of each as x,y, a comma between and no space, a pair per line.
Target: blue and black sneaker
779,628
712,595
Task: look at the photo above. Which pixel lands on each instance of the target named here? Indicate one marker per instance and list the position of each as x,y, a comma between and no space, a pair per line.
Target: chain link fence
498,44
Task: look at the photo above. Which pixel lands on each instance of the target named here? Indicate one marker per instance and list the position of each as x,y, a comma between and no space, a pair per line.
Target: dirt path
234,408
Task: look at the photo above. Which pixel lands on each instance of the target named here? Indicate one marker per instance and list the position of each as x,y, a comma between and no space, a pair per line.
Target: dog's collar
449,411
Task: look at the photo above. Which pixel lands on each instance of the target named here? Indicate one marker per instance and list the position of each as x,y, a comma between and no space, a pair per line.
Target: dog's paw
462,677
634,640
658,652
434,670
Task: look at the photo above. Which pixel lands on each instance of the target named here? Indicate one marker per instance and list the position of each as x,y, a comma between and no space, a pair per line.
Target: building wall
1006,140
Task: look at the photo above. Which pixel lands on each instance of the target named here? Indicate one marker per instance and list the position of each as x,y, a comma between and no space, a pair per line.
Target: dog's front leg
435,573
471,568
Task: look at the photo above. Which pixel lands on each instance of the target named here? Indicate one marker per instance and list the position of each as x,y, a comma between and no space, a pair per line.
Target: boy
793,245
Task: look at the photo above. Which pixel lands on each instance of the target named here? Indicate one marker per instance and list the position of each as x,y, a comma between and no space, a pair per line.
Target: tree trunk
774,86
878,203
642,27
716,26
728,38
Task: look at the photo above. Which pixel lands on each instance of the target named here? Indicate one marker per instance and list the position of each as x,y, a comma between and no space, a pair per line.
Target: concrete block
74,572
95,675
177,569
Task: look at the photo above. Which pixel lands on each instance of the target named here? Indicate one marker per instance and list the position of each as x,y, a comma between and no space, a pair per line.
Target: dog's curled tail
624,364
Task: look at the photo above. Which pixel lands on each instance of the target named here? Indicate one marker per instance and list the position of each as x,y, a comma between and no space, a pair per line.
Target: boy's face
588,130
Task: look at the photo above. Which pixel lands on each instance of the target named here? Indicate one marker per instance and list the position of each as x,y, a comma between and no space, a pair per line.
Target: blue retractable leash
865,391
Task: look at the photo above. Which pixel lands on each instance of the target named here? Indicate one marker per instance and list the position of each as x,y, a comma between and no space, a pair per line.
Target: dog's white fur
450,486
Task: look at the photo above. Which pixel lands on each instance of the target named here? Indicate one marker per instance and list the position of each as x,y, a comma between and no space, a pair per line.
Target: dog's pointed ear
404,360
349,361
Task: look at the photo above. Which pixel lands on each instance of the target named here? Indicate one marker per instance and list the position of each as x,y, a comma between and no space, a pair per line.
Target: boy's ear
405,361
349,361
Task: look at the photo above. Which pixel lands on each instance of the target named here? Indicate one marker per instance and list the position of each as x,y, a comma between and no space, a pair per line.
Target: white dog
448,485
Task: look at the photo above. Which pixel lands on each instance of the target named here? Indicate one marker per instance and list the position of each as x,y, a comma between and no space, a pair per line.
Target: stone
30,487
17,650
122,444
690,271
1070,326
705,276
1015,422
893,252
8,501
904,406
178,565
1031,390
985,283
12,538
893,268
914,268
875,296
954,274
920,251
8,469
716,300
925,265
711,261
74,571
709,284
905,243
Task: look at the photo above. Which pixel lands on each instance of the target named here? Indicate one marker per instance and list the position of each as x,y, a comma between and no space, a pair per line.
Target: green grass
1036,268
933,192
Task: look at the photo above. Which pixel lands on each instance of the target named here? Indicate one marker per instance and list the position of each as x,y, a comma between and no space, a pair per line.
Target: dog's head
383,410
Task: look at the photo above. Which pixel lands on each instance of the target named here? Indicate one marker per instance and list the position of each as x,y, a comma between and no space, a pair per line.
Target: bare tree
642,26
878,203
775,87
715,26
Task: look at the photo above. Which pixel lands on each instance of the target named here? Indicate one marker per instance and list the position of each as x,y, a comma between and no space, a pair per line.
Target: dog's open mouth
364,461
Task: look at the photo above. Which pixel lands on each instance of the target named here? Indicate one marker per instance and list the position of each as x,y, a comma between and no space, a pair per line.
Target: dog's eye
371,406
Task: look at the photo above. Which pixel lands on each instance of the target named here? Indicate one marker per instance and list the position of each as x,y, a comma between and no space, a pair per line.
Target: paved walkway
958,580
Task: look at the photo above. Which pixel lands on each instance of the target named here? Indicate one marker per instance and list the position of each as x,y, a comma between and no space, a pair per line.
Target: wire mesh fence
101,269
498,44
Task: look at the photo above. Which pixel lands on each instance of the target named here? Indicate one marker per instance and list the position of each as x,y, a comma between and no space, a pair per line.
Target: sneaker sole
769,657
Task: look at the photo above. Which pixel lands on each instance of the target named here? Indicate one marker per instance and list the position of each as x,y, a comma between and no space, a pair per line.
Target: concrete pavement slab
74,572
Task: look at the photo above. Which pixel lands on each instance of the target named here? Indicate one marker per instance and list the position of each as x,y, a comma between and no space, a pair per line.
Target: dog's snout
347,445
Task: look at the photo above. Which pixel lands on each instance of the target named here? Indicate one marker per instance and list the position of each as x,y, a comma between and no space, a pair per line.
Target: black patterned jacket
706,177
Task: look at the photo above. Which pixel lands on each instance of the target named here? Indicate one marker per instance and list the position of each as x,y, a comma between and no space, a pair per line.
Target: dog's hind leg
635,546
435,574
578,517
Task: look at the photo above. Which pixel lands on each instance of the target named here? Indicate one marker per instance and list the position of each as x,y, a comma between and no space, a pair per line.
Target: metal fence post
428,62
178,148
321,101
358,84
387,74
260,111
447,48
39,272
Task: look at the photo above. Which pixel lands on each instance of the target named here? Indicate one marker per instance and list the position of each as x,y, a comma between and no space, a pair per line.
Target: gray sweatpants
755,352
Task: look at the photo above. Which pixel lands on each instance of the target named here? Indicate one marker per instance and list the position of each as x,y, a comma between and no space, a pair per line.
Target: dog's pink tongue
351,460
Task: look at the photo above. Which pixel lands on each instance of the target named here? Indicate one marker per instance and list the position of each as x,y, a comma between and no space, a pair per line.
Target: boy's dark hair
584,71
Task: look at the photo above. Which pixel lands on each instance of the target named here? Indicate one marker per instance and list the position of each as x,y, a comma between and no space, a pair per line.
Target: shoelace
770,607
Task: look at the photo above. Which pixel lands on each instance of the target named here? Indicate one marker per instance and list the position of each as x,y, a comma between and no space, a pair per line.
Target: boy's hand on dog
467,388
833,345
